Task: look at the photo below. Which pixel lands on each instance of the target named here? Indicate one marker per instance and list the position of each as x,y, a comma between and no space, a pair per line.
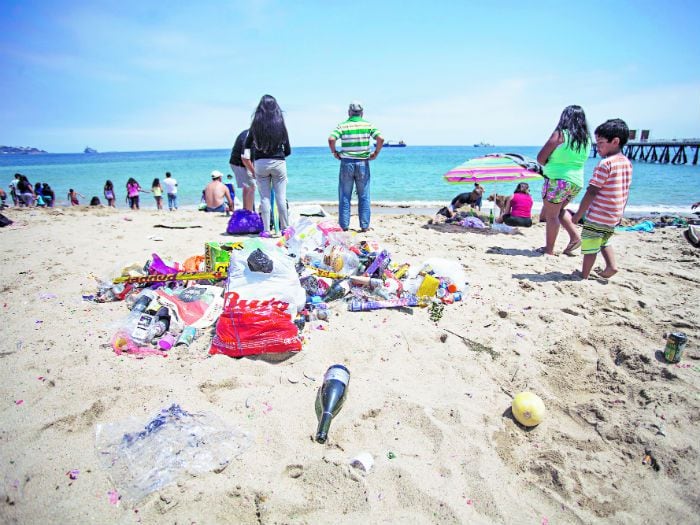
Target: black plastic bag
259,262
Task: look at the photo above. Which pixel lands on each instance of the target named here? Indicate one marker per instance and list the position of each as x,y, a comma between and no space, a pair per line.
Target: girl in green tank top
563,158
566,162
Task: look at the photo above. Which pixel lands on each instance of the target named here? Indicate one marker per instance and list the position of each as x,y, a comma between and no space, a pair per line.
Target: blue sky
123,76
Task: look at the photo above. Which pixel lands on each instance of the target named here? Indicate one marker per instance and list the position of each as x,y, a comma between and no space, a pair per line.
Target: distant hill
22,150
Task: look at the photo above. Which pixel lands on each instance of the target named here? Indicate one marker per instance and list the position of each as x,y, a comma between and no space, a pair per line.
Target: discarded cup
362,461
166,342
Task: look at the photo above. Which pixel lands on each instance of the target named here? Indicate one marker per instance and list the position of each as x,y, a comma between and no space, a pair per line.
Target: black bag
259,262
4,221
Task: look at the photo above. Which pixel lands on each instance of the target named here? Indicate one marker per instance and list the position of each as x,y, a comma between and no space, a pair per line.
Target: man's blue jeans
353,172
172,201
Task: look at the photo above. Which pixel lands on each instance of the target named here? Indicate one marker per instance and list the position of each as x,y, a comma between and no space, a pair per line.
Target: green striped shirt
355,134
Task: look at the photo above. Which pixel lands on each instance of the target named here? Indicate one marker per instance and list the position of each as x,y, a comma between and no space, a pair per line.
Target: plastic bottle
162,322
381,261
142,300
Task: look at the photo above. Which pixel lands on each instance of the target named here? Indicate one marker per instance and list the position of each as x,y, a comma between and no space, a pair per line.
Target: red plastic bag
254,327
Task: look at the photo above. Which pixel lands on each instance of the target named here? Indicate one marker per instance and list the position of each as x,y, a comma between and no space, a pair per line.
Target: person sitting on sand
73,197
605,200
3,198
216,193
518,208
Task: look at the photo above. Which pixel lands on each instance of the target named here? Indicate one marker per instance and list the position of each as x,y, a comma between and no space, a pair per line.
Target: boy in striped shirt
606,197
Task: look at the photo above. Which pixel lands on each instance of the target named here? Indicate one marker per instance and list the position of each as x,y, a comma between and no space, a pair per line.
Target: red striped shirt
613,175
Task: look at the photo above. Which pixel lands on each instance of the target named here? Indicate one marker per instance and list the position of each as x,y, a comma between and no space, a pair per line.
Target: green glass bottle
330,398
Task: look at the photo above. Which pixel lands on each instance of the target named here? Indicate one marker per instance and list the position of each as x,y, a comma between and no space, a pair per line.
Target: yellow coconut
528,409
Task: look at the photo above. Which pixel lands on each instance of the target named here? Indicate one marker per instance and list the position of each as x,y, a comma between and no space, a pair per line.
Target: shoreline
429,208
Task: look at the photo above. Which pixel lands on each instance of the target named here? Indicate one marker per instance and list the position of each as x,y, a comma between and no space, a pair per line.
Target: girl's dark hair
614,128
131,181
46,186
95,201
573,120
156,182
109,185
268,129
522,187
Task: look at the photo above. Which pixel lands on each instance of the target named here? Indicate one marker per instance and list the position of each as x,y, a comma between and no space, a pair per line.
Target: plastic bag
305,238
142,458
282,283
197,306
259,262
244,221
254,327
451,270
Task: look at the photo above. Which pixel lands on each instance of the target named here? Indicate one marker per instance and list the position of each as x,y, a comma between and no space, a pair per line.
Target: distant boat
89,150
483,144
390,144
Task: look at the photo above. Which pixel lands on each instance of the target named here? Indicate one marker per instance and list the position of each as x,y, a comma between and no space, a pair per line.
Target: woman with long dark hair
269,144
109,194
563,157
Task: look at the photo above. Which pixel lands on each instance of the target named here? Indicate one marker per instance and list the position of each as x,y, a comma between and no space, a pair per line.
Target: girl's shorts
557,191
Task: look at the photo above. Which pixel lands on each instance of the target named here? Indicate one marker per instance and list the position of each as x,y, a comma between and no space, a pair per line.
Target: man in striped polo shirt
605,200
355,135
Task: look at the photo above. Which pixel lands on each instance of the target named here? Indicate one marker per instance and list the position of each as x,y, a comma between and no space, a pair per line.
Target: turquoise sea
400,176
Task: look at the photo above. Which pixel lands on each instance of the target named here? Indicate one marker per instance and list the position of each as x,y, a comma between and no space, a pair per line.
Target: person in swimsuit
73,197
109,194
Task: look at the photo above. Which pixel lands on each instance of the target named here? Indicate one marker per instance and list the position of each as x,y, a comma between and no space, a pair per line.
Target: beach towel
644,226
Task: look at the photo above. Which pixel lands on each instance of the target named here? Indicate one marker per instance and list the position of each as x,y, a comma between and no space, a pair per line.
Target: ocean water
400,176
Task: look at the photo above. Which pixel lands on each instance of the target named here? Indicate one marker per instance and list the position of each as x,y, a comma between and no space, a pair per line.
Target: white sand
589,350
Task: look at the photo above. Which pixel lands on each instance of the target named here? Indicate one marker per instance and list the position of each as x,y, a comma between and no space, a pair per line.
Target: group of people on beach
134,189
24,194
258,159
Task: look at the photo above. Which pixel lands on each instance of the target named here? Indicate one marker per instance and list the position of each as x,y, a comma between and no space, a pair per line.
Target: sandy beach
429,401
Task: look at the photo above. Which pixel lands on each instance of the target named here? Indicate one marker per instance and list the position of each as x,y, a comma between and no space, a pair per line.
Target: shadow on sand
513,251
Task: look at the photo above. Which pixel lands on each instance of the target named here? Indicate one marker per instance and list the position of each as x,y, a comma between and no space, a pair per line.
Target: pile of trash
260,292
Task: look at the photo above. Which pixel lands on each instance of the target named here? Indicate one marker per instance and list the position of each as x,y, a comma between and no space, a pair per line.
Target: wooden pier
661,151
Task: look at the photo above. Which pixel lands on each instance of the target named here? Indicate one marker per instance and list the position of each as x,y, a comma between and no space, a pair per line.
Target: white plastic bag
282,283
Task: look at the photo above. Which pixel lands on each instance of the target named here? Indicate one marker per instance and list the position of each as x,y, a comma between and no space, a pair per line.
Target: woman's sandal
569,250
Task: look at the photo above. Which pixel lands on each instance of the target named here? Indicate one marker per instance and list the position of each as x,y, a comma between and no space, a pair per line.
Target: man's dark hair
614,128
167,174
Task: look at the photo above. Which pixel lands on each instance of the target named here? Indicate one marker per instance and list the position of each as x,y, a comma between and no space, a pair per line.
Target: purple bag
244,221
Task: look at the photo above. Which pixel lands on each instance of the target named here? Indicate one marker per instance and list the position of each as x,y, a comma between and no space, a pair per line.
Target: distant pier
661,151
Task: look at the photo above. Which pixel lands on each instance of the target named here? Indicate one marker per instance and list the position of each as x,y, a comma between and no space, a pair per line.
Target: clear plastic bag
142,458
